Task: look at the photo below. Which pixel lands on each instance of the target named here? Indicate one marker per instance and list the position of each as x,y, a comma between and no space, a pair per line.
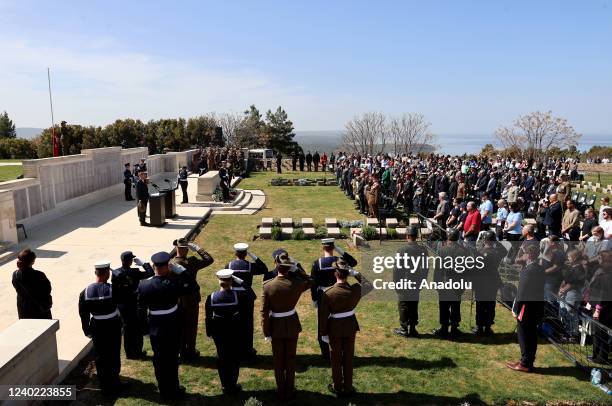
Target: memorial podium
157,209
169,202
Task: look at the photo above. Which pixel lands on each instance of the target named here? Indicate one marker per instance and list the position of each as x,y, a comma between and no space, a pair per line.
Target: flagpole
53,138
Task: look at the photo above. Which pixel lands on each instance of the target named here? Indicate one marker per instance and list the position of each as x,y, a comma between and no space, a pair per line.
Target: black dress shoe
330,387
400,332
413,332
454,332
441,332
232,391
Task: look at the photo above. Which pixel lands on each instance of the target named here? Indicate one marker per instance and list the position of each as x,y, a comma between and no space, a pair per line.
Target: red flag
55,142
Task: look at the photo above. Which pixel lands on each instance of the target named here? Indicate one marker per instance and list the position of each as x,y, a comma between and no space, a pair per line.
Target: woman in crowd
33,288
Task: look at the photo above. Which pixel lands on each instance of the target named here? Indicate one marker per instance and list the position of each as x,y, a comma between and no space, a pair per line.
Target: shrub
298,234
391,233
17,148
276,222
350,223
320,232
277,233
369,233
253,402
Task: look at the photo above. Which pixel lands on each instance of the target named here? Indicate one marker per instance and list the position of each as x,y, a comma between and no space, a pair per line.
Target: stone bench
267,222
392,222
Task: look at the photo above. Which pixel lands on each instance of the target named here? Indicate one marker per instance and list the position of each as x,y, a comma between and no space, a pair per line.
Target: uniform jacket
97,308
529,301
33,294
142,190
340,298
125,283
193,264
323,273
282,294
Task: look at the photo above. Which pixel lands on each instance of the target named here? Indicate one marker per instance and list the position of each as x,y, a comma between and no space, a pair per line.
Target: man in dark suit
127,181
553,216
528,309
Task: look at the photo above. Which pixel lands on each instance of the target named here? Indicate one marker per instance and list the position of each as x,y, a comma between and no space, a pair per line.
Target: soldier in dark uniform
101,322
275,257
301,159
294,160
338,325
323,273
528,309
158,297
280,322
316,159
408,299
245,270
279,162
125,282
224,182
190,302
142,195
182,180
33,289
449,299
309,161
486,282
223,324
127,182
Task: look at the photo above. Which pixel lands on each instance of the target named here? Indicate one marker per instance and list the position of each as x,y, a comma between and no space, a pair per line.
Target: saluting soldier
223,324
275,257
323,273
158,305
338,324
100,321
190,302
486,282
182,180
127,182
449,299
280,321
125,282
408,299
245,270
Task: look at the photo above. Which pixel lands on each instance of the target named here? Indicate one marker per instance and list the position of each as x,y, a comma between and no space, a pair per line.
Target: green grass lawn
10,172
388,369
603,178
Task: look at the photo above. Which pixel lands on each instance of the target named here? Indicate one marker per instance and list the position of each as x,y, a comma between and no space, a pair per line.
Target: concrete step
239,204
256,203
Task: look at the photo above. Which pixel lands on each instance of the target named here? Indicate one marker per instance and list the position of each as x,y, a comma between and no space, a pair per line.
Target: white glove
177,269
339,250
237,280
353,272
193,246
315,304
138,261
325,339
268,338
253,256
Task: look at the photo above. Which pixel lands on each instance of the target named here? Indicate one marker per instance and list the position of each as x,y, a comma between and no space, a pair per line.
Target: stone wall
52,187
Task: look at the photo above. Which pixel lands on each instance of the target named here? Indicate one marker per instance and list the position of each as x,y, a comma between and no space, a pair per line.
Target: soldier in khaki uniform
564,190
190,303
338,325
280,322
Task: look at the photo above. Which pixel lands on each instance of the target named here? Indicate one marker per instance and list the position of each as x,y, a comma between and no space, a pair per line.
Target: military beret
160,258
241,246
127,255
102,264
277,252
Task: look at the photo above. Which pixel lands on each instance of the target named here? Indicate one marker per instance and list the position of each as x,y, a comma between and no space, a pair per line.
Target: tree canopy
7,128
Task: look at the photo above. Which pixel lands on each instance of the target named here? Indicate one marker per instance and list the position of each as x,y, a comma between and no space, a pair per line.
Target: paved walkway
68,247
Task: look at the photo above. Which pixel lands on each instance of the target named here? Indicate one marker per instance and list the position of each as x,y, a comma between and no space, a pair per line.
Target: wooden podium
157,210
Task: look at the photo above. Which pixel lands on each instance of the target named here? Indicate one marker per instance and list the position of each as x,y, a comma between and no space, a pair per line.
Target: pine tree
7,128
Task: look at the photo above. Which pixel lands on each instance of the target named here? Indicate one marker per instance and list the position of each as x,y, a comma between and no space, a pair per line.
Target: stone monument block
286,222
307,222
207,184
267,222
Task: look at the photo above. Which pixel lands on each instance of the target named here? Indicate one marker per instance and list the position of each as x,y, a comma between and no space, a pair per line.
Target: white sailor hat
225,274
327,241
102,264
241,246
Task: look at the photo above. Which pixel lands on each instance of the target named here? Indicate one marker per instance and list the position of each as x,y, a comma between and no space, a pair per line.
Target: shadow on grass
304,362
147,392
466,337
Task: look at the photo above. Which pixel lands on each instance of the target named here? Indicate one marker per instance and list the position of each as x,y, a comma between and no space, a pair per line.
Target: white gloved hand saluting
138,262
237,280
193,246
177,269
325,339
353,272
268,338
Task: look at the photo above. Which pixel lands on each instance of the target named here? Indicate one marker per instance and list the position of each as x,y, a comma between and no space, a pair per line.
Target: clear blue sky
469,66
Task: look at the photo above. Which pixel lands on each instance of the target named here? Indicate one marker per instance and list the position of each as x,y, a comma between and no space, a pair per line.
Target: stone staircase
247,202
